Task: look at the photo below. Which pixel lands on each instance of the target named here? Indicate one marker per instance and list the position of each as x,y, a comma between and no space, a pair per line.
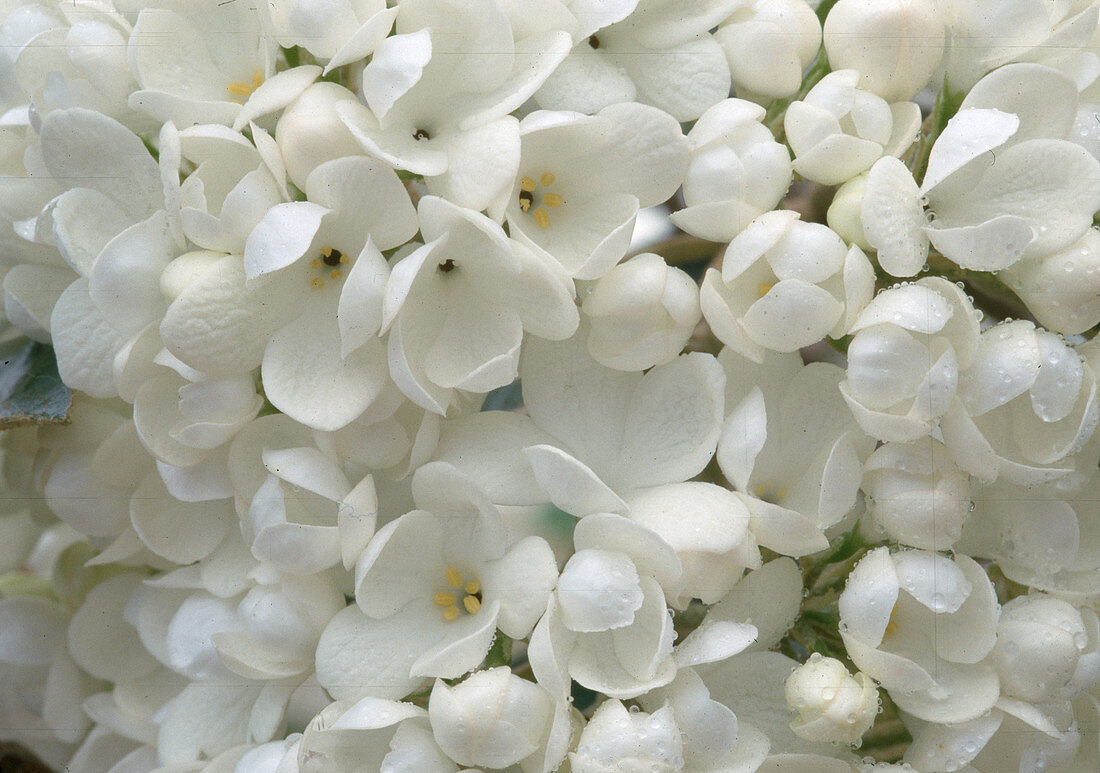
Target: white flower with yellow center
431,590
188,65
582,180
922,625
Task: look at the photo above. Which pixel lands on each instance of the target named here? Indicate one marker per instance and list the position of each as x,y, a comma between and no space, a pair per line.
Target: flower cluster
404,432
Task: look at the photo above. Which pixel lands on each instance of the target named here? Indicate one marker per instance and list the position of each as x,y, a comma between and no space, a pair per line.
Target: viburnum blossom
444,386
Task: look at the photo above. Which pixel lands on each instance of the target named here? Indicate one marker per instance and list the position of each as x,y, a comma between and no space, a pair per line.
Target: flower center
468,591
244,90
421,134
447,266
529,190
328,265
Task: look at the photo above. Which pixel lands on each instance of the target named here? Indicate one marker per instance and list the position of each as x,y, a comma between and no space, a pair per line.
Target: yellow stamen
524,204
257,79
239,89
892,626
315,263
343,258
764,289
316,283
450,613
336,273
551,200
326,252
472,604
528,184
454,579
444,599
542,217
473,587
546,179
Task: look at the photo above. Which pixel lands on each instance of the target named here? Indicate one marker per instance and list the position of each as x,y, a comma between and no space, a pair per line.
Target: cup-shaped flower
642,313
737,171
432,588
1028,401
921,625
917,494
456,308
769,44
895,45
832,705
785,284
839,130
903,362
583,178
1047,649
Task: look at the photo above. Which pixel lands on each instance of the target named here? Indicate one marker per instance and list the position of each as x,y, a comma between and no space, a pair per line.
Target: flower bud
895,44
493,719
769,44
1044,651
309,133
832,705
643,313
617,739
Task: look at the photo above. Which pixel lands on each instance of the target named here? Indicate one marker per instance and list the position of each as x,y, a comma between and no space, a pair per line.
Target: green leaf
31,391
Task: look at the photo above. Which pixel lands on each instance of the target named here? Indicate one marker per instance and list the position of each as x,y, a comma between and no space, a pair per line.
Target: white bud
1044,651
643,313
895,44
309,133
832,705
617,739
844,215
493,719
769,44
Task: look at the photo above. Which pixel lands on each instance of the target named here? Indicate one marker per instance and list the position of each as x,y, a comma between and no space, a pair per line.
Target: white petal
969,134
743,435
769,598
275,93
182,532
792,314
893,218
125,280
110,652
569,484
284,235
85,342
651,555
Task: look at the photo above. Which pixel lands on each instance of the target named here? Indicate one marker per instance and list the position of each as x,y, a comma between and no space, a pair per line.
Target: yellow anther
473,587
764,289
257,79
336,273
315,263
528,184
542,217
546,179
551,200
239,89
472,604
444,599
343,258
454,579
524,204
450,613
316,283
892,626
326,251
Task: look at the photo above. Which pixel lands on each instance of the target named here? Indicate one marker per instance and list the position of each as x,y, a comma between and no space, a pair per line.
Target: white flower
310,132
785,284
495,719
839,130
642,313
791,448
658,52
432,588
832,705
582,180
456,308
917,494
340,32
615,737
910,344
189,71
737,171
594,436
895,45
1046,649
1028,401
769,44
1003,181
922,625
437,106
